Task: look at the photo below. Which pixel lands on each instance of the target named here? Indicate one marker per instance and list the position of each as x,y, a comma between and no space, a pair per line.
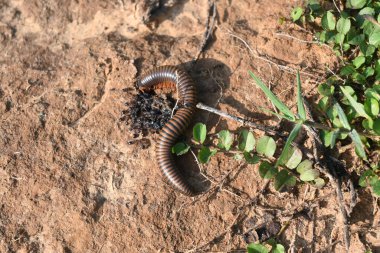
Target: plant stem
272,131
239,119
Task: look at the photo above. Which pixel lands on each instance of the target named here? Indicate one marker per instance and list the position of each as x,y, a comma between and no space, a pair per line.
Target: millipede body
177,125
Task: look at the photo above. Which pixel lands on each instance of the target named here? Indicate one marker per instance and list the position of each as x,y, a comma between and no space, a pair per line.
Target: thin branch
332,72
297,39
239,119
272,131
336,6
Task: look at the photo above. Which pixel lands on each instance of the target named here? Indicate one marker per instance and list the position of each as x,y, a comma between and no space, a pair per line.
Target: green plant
350,98
270,246
285,169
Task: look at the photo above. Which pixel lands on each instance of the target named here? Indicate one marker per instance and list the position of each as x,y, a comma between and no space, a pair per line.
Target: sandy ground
69,180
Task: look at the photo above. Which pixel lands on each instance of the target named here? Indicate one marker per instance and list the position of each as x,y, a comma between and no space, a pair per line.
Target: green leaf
371,106
293,134
266,170
246,141
369,72
304,166
326,36
180,148
324,103
350,91
366,177
339,38
257,248
283,178
205,154
325,89
275,100
359,78
266,146
376,126
199,132
358,61
359,108
319,182
328,21
342,116
278,248
343,25
367,11
368,27
355,39
374,39
309,175
367,124
225,139
346,47
347,70
371,93
296,13
376,188
367,50
355,4
251,159
358,144
294,158
329,138
300,105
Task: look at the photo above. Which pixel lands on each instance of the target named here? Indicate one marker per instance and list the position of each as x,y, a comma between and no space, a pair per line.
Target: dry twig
239,119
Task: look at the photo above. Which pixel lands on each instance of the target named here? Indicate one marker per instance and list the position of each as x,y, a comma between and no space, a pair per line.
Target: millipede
168,76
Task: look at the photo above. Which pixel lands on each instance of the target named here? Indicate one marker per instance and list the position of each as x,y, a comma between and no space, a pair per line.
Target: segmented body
162,76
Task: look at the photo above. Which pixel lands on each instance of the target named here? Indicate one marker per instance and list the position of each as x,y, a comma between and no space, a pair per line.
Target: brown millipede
164,76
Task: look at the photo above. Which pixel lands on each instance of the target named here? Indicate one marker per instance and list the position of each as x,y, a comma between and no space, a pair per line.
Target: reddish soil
69,180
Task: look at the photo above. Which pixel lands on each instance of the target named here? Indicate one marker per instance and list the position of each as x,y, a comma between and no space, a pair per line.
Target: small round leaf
180,148
246,141
266,146
328,21
225,139
293,158
319,182
283,178
358,61
267,170
325,89
199,132
278,248
355,4
251,159
309,175
374,39
205,154
343,25
296,13
304,166
257,248
371,106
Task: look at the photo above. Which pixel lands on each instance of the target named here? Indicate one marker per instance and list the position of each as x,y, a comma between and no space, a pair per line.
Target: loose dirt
74,178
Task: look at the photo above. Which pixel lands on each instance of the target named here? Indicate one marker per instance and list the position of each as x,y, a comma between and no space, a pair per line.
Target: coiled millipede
177,125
